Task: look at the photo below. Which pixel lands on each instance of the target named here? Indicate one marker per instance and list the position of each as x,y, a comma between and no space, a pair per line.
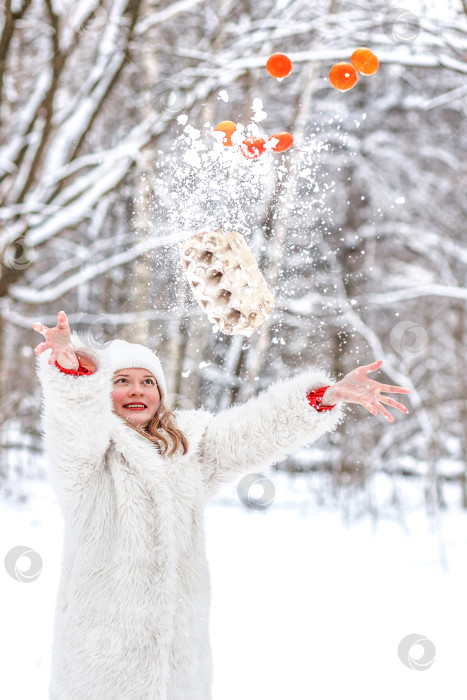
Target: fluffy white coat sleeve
265,429
76,419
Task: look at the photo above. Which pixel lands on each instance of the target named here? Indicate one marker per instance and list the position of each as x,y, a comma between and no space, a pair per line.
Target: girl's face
135,395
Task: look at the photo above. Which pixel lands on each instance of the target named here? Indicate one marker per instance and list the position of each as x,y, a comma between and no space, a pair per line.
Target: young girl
132,478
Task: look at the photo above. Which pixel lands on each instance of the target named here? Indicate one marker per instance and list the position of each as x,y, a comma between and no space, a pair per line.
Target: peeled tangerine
343,76
253,147
228,128
364,61
279,65
282,141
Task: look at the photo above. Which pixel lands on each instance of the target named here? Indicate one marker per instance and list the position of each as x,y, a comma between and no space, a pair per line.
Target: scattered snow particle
182,119
353,302
224,95
202,365
400,200
187,373
257,108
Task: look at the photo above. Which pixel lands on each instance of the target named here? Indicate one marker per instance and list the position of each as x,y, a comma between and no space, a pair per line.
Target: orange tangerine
228,128
253,147
343,76
279,65
364,61
284,141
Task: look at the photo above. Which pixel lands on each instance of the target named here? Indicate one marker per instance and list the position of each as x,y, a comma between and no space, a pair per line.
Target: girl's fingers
394,389
369,407
72,357
40,328
385,413
393,403
373,366
40,348
53,356
62,318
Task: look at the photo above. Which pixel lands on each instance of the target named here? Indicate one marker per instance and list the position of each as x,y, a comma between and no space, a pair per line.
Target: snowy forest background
359,229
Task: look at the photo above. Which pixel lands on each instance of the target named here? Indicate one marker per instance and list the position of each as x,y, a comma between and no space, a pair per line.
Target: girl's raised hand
58,339
356,387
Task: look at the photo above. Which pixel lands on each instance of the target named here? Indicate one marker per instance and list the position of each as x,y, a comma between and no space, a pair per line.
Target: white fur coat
132,614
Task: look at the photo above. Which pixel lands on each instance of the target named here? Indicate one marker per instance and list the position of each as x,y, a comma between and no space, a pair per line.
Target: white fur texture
132,612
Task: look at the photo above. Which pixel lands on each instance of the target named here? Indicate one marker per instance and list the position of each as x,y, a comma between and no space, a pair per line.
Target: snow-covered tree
358,229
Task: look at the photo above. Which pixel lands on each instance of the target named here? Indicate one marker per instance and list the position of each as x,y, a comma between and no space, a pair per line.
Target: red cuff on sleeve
315,398
77,372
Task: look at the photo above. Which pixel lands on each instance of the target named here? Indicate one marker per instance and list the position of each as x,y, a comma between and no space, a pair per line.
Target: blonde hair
164,420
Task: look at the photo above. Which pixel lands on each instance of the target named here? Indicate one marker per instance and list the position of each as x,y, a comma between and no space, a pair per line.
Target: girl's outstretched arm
265,429
76,411
282,419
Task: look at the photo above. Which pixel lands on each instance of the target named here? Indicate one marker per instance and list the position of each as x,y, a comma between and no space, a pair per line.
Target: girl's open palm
356,387
58,339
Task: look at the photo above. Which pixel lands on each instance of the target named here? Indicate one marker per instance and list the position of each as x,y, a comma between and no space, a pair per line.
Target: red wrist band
315,398
77,372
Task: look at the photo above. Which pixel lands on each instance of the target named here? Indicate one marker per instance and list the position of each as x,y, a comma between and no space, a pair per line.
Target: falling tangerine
228,128
279,65
284,141
253,147
343,76
364,61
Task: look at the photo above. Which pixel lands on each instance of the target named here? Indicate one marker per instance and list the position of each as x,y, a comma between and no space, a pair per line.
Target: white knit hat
119,354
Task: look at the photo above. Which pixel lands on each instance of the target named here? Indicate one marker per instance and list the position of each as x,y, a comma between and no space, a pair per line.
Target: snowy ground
304,607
